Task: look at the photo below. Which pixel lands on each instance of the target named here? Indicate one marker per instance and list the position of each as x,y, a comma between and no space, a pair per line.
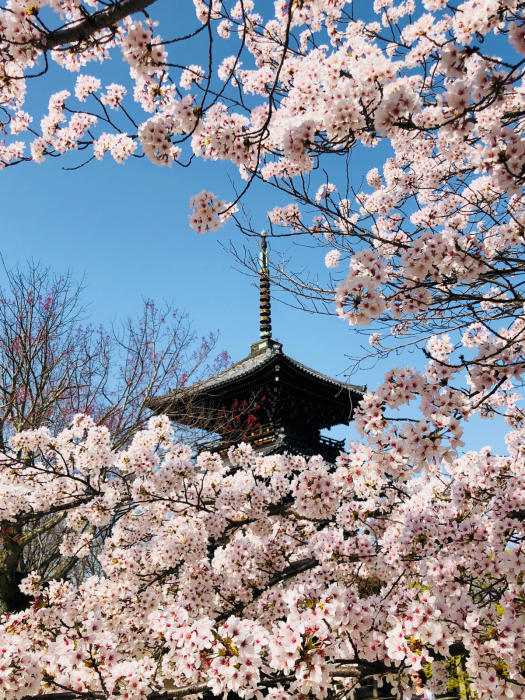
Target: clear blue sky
124,228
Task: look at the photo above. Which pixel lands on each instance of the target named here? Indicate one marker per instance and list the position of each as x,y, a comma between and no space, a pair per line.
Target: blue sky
124,229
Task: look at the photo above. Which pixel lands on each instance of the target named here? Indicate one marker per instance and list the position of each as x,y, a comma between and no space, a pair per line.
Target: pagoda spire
265,310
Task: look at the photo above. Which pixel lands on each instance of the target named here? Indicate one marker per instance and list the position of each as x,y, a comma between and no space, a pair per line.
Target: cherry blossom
262,575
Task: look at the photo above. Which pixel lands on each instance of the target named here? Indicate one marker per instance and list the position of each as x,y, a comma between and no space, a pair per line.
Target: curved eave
250,373
322,379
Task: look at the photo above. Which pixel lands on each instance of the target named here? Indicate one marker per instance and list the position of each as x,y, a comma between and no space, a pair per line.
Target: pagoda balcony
267,439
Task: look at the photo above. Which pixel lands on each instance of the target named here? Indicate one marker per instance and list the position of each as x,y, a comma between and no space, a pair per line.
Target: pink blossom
332,258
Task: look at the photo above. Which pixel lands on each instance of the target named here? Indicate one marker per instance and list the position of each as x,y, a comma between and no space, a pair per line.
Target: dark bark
11,597
83,30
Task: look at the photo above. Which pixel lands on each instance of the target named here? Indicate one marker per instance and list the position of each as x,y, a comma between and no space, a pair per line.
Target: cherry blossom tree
264,576
276,577
51,367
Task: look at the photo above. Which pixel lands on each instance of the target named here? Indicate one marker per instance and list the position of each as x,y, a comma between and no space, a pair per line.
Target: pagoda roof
266,356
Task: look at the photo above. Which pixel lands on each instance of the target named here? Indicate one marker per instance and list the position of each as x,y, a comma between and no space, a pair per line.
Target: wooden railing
259,437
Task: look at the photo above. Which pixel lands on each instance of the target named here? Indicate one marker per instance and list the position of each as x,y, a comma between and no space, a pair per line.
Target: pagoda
267,399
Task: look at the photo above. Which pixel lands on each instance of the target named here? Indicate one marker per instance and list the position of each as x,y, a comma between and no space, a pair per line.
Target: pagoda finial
265,315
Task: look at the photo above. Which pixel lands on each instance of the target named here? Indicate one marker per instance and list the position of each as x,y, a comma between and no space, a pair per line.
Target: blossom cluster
264,576
208,212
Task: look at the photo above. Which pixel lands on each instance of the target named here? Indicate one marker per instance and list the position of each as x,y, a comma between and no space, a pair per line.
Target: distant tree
53,367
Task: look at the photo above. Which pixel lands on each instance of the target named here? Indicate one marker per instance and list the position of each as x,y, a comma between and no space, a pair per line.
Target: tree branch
80,31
